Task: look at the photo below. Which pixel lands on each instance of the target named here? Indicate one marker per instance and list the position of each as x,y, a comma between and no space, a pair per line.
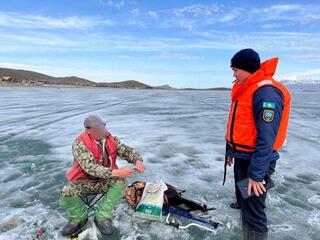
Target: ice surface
181,137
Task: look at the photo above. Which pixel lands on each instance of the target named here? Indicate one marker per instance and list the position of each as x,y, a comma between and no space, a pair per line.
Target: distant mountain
125,84
164,87
209,89
74,81
17,76
219,89
30,76
304,84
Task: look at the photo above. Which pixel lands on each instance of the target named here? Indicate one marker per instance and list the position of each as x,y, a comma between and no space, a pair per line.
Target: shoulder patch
268,115
269,105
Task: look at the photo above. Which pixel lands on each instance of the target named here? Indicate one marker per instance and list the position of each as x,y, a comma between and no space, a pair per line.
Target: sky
180,43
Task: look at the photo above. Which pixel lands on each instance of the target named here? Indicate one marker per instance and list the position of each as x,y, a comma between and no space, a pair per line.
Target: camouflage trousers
83,188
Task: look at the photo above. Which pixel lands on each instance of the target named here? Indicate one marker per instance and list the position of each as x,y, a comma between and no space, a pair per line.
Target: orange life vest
109,160
241,129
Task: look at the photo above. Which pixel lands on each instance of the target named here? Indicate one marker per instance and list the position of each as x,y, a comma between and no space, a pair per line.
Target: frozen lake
181,137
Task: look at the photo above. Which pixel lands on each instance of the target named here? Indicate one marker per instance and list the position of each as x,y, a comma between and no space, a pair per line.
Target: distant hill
23,74
164,87
125,84
209,89
73,80
35,78
30,78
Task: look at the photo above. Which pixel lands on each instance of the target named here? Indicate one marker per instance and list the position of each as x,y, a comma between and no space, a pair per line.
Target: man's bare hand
123,172
257,187
139,167
229,161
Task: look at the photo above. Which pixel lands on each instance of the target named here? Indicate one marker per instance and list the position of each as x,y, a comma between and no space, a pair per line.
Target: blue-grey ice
181,137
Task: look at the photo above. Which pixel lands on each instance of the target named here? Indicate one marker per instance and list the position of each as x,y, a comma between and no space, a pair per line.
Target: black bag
172,197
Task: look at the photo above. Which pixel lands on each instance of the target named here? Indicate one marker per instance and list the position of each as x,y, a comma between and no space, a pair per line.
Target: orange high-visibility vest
109,161
241,132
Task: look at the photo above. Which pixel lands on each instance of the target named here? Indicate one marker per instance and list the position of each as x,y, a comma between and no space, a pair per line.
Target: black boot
249,234
258,235
245,230
104,226
73,227
235,205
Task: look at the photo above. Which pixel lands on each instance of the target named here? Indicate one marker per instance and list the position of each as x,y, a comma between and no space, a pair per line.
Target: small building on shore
35,82
8,79
29,82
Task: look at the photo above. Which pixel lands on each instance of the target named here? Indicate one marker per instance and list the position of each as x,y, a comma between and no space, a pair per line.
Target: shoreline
95,87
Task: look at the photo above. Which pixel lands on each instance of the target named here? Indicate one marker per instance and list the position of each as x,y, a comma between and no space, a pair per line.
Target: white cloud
152,14
304,57
113,3
119,4
191,17
127,57
200,15
17,20
164,56
135,11
292,13
197,10
268,41
279,8
300,75
229,16
177,56
33,41
271,25
16,65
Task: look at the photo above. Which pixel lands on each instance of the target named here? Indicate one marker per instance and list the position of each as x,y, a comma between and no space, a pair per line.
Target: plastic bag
150,206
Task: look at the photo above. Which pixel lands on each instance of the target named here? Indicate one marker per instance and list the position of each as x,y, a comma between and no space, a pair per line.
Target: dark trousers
252,209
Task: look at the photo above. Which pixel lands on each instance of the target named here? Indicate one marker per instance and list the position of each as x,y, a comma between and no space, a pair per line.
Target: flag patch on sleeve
269,105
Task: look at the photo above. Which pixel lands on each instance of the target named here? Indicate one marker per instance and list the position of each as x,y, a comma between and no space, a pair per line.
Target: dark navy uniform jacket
263,154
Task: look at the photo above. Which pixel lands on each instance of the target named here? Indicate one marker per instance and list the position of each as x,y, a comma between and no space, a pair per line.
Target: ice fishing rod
210,225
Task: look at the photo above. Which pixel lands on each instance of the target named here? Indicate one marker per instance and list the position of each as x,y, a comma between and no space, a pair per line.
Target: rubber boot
78,214
104,226
249,234
257,235
103,212
73,227
245,231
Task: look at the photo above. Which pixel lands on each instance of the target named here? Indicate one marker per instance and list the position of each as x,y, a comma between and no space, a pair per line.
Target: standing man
95,171
256,130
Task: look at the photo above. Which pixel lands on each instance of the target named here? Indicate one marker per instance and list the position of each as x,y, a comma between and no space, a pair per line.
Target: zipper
232,120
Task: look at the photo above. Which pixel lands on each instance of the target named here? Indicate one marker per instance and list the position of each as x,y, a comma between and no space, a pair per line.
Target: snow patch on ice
314,199
281,228
314,219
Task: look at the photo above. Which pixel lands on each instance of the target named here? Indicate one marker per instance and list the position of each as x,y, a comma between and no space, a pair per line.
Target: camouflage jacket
88,163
